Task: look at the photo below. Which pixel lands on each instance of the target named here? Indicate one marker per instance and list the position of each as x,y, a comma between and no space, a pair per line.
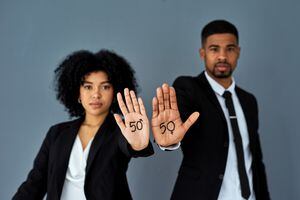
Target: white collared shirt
231,188
74,182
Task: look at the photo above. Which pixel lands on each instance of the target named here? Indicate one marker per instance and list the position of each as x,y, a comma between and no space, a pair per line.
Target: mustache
223,63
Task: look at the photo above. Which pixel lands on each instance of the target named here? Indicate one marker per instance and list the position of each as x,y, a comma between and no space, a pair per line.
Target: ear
202,53
239,51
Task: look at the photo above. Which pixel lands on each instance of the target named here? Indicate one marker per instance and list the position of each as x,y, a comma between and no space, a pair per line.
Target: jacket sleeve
185,93
259,166
184,89
35,186
130,152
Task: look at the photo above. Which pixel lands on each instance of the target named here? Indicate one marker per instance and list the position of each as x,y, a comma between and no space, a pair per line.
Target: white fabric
231,188
74,182
171,147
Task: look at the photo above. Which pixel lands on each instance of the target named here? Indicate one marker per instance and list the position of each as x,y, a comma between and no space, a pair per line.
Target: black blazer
205,146
107,163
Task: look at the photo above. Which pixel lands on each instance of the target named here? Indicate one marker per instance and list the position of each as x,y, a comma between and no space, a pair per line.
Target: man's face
220,53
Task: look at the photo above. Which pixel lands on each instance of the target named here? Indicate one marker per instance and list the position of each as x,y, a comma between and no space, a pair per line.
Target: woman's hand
135,126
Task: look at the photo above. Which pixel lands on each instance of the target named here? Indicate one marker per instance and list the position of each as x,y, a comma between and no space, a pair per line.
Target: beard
222,70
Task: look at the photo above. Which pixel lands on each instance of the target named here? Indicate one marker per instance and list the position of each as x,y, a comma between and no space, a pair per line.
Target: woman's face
96,94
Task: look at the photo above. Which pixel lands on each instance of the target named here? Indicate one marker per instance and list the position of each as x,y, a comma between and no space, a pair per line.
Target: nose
96,93
222,57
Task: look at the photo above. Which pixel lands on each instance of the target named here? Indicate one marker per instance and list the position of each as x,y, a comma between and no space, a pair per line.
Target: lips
96,105
222,66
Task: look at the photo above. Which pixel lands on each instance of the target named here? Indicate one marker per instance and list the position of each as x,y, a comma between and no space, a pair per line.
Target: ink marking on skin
170,127
163,127
136,125
139,124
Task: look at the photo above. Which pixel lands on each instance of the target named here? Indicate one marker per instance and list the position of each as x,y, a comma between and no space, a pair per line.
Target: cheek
234,60
110,97
210,61
82,96
211,57
81,93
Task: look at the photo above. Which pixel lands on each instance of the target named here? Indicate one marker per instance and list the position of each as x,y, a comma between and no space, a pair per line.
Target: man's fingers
154,107
166,95
160,98
191,120
173,99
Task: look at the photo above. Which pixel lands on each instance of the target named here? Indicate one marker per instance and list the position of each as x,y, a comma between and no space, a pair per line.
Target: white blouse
74,182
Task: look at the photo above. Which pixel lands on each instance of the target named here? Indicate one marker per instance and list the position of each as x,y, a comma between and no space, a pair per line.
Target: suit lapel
104,132
204,84
64,145
247,110
63,150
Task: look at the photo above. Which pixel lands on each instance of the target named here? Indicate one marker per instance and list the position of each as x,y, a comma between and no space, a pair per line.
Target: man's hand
167,127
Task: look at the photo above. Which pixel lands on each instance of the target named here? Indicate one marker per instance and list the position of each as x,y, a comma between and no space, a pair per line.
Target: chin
223,74
98,113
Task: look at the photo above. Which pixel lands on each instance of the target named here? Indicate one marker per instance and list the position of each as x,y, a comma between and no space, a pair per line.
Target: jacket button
221,176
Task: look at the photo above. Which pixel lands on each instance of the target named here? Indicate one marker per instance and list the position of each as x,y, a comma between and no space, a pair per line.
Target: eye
230,49
213,49
87,87
106,87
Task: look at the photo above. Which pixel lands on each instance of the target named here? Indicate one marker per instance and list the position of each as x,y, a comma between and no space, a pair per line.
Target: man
222,157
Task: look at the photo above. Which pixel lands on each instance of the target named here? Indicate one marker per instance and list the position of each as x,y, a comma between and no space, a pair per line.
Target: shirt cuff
171,147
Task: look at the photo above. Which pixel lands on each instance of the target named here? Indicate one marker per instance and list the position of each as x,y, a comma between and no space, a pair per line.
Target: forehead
96,77
221,39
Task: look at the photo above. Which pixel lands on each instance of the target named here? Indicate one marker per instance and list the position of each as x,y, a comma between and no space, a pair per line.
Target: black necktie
238,146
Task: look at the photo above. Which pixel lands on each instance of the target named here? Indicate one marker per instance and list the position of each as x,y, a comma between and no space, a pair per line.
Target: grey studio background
160,38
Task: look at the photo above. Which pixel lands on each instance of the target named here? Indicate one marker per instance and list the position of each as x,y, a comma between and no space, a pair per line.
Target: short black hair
70,73
218,26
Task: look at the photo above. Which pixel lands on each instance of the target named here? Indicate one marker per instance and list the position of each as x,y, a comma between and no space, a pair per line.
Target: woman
87,158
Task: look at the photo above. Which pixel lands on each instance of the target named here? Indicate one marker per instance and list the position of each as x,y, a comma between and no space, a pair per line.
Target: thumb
120,122
191,120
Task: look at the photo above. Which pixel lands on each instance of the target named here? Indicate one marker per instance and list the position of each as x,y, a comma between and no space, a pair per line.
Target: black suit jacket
205,146
106,168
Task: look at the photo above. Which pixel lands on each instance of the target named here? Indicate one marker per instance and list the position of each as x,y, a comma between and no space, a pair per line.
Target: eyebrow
213,45
232,45
229,45
88,82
